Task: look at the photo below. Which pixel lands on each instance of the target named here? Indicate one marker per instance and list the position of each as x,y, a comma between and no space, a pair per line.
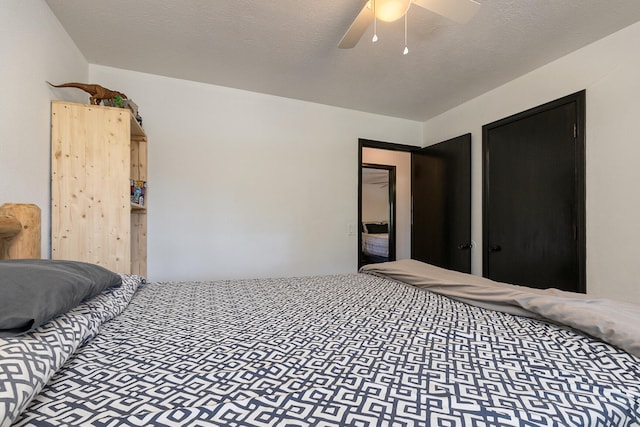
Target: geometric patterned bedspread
351,349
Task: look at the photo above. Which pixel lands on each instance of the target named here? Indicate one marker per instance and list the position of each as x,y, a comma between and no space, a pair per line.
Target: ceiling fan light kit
390,10
459,11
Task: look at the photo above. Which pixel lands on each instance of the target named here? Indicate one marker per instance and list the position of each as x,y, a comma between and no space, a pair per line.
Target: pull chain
406,48
375,22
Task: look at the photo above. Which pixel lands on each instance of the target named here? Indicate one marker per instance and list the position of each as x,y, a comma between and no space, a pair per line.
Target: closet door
533,201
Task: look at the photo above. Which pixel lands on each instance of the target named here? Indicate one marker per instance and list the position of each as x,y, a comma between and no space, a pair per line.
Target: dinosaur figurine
97,92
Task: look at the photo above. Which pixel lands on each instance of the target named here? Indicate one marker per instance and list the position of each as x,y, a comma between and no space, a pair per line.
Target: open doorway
407,221
397,156
377,227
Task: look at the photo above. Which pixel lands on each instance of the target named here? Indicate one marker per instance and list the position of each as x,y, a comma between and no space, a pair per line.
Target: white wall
375,202
34,48
249,185
609,70
230,171
402,161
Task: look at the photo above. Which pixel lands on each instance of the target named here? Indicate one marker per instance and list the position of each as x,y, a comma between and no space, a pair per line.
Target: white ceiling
289,47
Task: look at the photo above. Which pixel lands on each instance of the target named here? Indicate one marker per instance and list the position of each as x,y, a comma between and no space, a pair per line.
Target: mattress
352,349
375,244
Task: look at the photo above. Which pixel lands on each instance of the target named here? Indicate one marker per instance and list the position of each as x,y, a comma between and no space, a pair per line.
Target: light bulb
406,50
391,10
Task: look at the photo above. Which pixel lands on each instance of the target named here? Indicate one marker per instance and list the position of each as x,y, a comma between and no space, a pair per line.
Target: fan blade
460,11
357,28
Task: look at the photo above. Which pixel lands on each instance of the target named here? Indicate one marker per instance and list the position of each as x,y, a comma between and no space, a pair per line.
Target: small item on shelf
134,109
132,106
138,191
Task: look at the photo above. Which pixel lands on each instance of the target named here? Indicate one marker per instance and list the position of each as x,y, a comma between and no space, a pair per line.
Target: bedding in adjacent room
377,227
351,349
375,244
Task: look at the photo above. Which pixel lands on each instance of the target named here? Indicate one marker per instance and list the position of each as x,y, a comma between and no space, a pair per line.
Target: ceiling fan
459,11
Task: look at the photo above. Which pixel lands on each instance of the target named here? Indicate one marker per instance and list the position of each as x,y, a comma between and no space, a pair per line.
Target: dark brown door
533,201
441,211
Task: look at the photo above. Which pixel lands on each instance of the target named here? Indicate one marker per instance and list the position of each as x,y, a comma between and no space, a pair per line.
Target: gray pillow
33,291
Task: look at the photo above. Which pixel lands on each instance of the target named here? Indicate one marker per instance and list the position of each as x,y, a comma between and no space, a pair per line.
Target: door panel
441,211
532,198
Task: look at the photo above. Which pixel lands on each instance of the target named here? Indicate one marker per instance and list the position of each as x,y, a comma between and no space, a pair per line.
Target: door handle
495,248
465,246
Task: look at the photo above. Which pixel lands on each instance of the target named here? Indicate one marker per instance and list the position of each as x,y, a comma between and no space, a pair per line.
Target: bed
375,244
375,241
400,343
19,230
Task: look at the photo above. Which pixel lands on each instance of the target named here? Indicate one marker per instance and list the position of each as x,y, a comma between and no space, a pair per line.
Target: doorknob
465,246
495,248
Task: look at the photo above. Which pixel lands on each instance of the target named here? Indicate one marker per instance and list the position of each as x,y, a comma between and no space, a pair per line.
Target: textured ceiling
289,47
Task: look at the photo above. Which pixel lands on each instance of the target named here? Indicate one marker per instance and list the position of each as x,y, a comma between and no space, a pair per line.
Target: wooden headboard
19,231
